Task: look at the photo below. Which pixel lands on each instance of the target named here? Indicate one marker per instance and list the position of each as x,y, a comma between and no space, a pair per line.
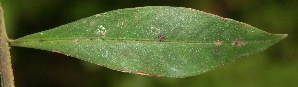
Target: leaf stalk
6,72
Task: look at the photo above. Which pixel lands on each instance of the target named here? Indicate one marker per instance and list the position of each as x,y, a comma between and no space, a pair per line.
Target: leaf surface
156,40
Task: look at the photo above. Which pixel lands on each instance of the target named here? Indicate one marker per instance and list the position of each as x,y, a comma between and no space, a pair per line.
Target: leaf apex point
282,35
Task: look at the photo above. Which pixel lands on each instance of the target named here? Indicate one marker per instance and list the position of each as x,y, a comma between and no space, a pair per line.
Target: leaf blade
155,41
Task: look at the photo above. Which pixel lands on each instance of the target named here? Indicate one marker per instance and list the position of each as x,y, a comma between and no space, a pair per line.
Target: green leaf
155,41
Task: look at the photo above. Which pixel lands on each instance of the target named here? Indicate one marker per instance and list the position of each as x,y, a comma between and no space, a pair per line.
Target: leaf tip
281,36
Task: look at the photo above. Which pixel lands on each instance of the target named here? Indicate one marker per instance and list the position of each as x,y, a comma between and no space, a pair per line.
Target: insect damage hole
238,42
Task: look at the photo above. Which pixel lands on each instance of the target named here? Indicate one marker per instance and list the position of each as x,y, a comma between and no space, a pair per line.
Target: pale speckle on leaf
218,42
97,15
102,30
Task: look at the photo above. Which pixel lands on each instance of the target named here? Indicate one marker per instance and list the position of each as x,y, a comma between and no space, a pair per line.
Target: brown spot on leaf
57,51
238,42
142,73
147,74
218,43
226,19
161,38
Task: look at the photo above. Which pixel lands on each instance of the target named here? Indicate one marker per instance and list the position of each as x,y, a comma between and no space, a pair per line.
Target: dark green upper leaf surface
155,41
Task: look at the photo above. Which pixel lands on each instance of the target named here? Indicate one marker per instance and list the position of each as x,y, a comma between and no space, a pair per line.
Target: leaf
155,41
